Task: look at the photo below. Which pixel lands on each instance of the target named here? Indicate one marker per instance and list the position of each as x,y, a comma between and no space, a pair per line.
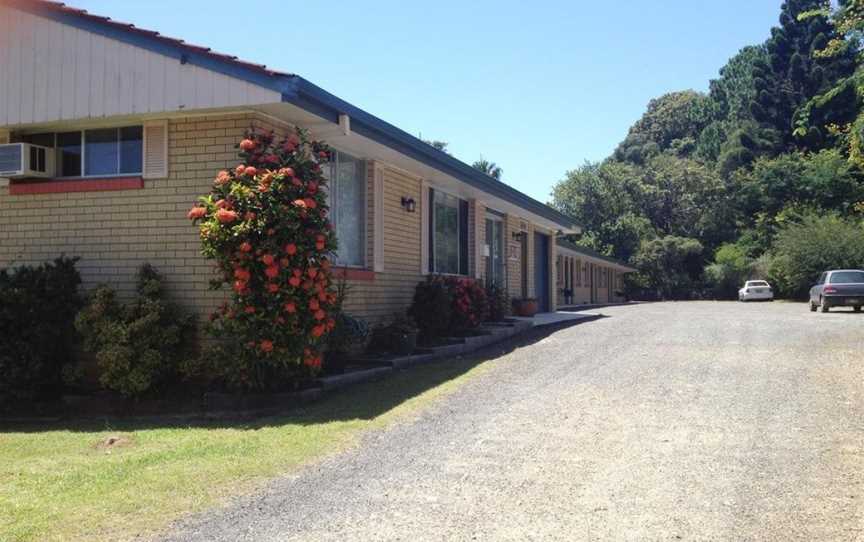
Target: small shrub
432,308
470,306
37,333
443,305
348,333
499,303
138,346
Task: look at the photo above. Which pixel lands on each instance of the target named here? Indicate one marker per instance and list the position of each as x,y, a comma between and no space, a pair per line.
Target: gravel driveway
667,421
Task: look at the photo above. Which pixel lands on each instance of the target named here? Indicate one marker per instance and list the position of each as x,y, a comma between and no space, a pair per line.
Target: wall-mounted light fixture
409,204
519,235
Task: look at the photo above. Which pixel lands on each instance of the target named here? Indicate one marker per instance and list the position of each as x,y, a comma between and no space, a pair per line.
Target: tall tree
438,144
792,73
489,168
668,121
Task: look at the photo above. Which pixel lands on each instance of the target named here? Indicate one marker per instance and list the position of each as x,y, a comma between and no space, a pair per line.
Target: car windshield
757,283
846,277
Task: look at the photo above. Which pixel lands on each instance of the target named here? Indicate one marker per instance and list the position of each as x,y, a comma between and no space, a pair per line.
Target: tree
671,117
487,167
811,244
735,89
732,266
438,144
671,266
792,74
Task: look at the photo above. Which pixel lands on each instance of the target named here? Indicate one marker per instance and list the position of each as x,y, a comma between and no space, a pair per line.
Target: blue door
541,271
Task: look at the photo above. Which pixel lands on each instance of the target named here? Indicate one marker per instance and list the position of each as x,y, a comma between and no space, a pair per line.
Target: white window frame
365,216
493,216
459,200
84,152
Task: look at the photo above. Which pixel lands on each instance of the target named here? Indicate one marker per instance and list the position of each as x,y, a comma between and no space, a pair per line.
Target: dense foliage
265,225
704,186
446,305
138,346
37,331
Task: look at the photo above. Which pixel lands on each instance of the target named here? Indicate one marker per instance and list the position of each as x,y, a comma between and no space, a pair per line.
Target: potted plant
402,333
526,306
348,333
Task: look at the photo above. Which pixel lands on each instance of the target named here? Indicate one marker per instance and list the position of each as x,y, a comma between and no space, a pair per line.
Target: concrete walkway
664,421
549,318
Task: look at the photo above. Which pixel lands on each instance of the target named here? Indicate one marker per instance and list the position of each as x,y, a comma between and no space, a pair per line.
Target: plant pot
334,363
403,344
525,307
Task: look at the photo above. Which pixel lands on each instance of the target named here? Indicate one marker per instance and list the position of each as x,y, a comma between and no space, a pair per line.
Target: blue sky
537,87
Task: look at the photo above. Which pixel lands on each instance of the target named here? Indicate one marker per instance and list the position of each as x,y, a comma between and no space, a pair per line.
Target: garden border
224,406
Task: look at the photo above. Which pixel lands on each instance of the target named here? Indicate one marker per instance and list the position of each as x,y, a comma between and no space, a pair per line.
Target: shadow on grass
365,401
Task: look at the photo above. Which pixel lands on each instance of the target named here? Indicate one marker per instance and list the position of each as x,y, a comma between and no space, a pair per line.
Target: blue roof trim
158,44
318,101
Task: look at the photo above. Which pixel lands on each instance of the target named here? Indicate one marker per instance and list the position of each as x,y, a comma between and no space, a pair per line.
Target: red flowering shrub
447,304
470,307
265,225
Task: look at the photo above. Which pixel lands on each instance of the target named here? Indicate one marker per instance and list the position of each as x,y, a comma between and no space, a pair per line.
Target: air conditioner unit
19,160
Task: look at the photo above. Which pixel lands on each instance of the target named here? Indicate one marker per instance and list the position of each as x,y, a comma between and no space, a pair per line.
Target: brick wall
393,288
115,232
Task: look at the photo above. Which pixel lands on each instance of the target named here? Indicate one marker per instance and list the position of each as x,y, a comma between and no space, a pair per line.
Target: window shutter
378,214
156,150
463,237
430,228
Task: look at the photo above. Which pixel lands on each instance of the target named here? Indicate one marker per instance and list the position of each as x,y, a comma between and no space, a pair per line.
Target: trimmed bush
432,309
138,346
37,315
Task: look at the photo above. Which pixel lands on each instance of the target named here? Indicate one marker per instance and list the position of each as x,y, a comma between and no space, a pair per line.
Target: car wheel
857,308
823,305
812,306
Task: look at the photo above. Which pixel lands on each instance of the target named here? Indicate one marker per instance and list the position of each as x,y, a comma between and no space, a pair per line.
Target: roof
593,254
297,91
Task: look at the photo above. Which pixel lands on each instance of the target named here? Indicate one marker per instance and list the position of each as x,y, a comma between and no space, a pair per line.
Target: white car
756,290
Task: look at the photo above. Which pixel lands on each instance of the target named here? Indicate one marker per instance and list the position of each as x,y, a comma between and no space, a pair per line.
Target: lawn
57,483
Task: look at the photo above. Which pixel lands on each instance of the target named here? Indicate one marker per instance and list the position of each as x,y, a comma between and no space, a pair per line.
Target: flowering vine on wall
265,225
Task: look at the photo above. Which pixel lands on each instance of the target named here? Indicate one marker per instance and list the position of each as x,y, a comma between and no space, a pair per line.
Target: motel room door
541,271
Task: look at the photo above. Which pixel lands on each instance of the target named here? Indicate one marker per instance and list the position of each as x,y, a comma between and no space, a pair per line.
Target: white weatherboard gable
53,72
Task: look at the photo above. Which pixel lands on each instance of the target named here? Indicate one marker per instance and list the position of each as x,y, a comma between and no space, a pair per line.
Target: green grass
55,484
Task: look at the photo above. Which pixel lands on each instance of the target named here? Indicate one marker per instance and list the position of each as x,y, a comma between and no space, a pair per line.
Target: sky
536,87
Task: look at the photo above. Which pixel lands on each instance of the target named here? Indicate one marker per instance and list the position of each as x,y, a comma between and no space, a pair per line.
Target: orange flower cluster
265,224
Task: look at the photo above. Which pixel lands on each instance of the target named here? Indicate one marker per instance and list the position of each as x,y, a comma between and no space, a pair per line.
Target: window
495,266
96,153
846,277
448,232
347,199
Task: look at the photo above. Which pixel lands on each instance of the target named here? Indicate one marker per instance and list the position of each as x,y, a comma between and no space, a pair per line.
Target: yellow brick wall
115,232
392,289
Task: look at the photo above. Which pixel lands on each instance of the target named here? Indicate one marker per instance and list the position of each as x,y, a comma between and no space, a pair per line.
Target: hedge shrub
37,331
138,346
